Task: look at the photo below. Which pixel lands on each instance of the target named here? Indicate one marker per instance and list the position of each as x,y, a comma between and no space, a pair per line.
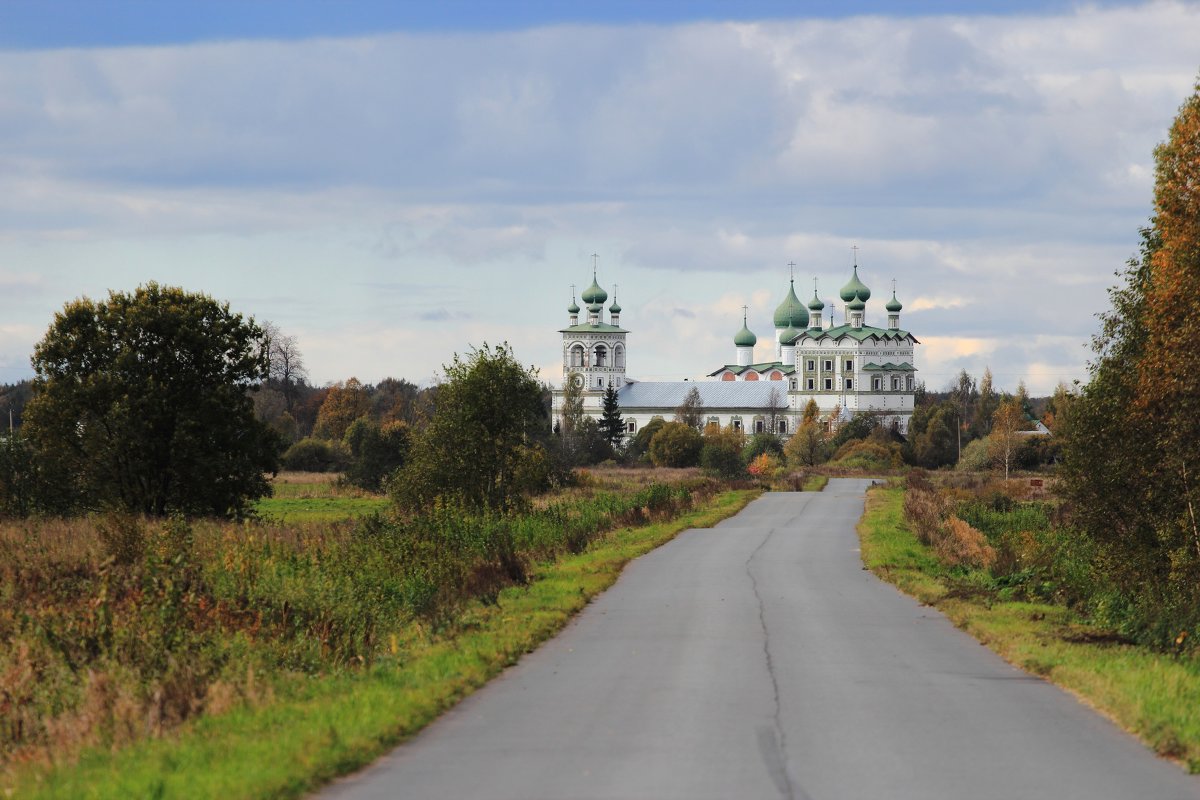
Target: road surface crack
772,740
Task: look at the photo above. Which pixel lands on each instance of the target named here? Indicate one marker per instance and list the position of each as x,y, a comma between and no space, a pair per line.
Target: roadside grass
317,729
815,483
1151,694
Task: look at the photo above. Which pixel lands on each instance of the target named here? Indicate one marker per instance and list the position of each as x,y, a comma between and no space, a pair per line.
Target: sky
393,183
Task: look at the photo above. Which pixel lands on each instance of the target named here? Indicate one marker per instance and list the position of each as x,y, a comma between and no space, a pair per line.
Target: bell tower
594,350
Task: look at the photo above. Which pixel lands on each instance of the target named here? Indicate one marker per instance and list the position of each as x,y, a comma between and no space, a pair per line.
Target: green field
316,497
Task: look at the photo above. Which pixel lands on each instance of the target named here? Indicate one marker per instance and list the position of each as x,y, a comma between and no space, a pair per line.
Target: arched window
729,376
601,356
751,376
577,356
776,375
619,357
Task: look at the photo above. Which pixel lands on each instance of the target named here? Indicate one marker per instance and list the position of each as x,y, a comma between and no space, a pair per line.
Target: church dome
594,294
816,304
615,308
595,308
893,305
791,312
745,337
789,336
855,289
856,304
573,308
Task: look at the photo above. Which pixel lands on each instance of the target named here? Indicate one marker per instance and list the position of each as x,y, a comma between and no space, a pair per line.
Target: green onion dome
816,304
745,337
789,336
856,304
855,289
615,308
595,308
594,294
893,305
573,308
791,312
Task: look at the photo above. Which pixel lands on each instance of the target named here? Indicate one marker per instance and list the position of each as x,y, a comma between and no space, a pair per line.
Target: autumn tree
808,445
985,404
676,444
345,403
691,411
144,400
1005,438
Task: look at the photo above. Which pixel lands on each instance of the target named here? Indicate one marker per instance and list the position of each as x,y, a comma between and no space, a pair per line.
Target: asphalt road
758,659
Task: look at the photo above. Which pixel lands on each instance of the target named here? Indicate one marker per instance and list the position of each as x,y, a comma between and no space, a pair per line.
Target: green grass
815,483
332,725
1153,695
318,509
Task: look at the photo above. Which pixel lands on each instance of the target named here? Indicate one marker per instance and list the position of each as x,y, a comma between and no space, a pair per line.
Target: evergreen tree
612,427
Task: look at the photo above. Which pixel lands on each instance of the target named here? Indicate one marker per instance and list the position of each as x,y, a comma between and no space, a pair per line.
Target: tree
1005,438
932,438
612,427
482,447
964,395
808,445
640,446
344,403
676,444
985,405
721,453
691,411
286,364
776,403
145,400
572,405
376,451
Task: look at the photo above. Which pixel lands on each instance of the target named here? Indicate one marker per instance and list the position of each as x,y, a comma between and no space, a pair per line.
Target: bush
316,455
960,545
763,443
976,456
869,455
639,446
376,451
721,454
676,445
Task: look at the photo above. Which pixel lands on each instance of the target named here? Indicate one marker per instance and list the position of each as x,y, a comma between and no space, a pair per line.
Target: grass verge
336,724
1152,695
815,483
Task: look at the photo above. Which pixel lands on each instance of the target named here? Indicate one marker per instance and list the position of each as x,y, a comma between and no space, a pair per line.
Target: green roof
764,367
573,308
589,327
903,366
594,294
816,304
893,305
855,288
614,308
745,337
860,334
791,312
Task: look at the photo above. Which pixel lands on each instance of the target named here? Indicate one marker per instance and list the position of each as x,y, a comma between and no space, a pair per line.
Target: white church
847,367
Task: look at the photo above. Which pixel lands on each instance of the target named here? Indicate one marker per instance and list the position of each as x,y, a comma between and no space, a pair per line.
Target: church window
849,365
631,426
601,356
577,356
713,421
849,383
729,376
895,383
811,383
758,426
908,382
783,426
829,365
736,424
776,375
828,384
793,384
812,364
751,376
876,384
619,357
599,383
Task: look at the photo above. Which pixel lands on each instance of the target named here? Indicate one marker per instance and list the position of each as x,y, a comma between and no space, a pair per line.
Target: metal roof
713,394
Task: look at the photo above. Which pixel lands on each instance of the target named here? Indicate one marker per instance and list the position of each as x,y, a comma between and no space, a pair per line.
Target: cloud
435,187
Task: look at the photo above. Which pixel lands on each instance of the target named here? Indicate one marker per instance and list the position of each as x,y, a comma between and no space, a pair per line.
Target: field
316,497
149,658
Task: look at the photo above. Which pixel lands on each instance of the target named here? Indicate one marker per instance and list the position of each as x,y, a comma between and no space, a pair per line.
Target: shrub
960,545
762,443
765,465
316,455
721,454
676,445
376,451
